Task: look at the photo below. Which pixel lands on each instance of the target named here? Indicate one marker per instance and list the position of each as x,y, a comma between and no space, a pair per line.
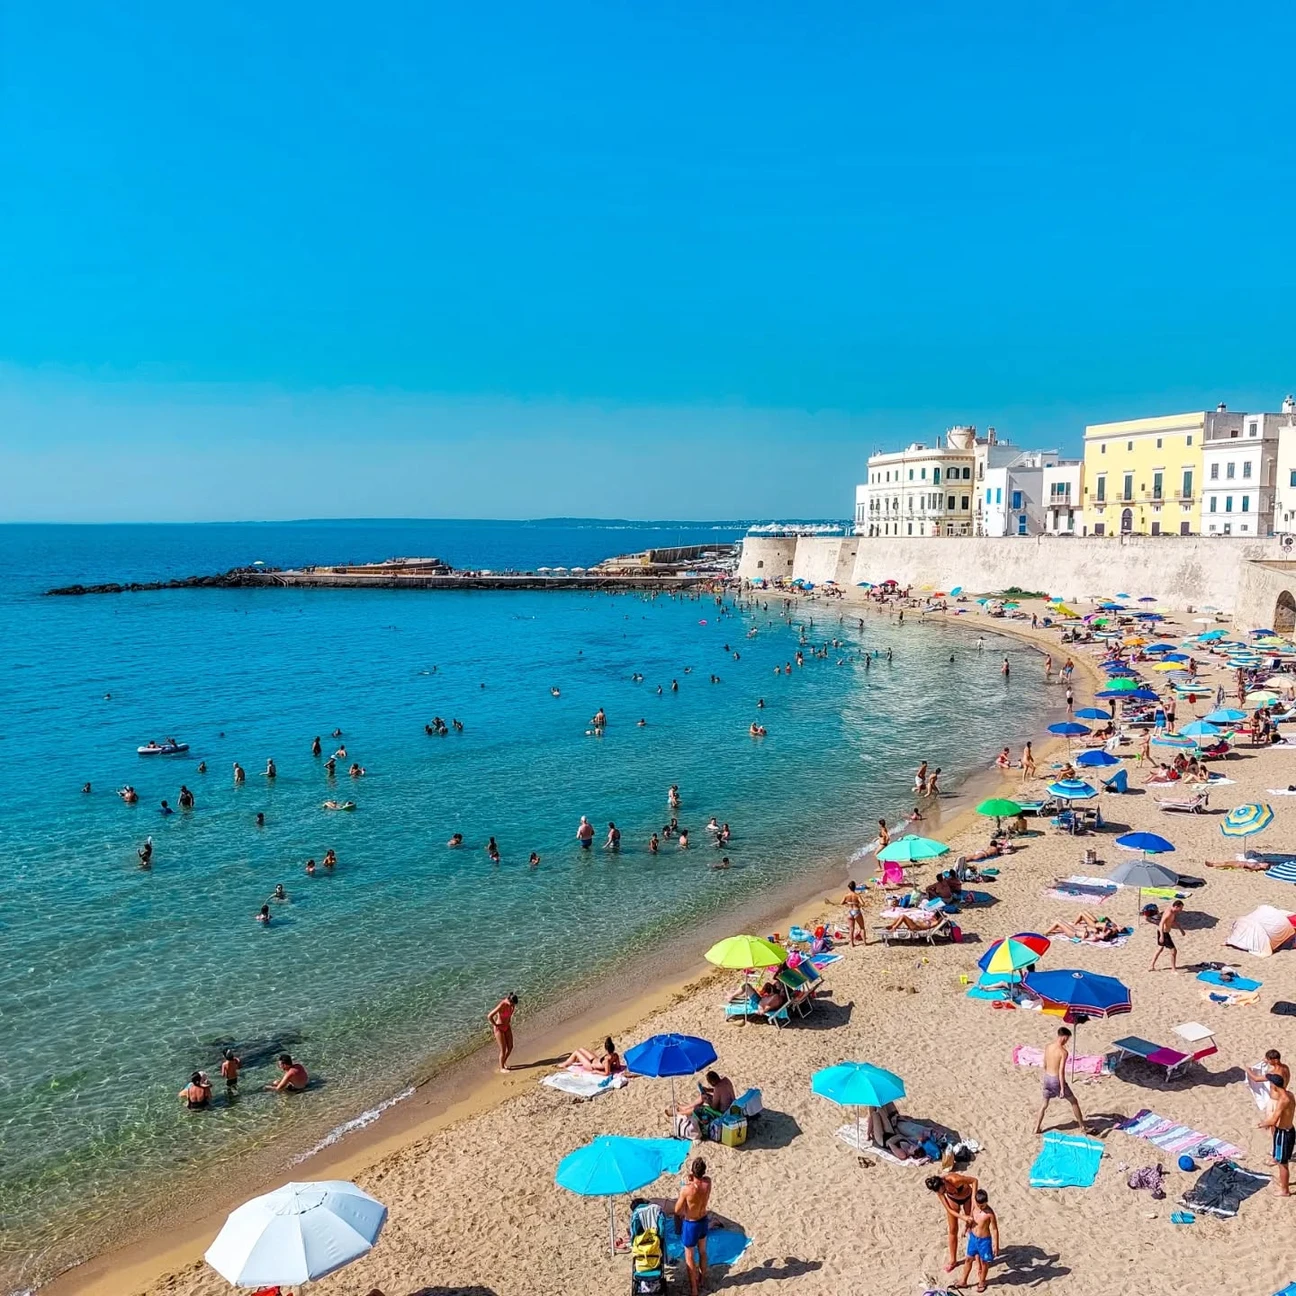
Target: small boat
168,748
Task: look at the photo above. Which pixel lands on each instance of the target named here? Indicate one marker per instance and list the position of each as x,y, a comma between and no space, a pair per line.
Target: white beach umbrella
296,1234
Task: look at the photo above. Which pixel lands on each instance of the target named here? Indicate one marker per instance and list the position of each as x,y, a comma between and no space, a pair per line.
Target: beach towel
1115,943
1066,1161
1176,1139
1027,1055
1282,791
581,1084
1223,1188
1229,998
725,1243
1082,888
822,961
1259,1088
865,1147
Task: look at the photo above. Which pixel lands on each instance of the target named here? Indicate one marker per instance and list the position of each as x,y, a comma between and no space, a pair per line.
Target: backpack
646,1251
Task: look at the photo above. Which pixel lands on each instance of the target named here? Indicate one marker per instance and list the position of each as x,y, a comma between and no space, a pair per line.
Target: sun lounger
1184,805
939,926
1201,1039
800,986
750,1010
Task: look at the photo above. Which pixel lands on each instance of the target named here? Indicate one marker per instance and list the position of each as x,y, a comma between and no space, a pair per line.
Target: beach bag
748,1104
646,1251
956,934
687,1127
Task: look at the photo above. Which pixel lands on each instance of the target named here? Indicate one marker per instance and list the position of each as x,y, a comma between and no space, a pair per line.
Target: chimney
1289,405
990,436
1220,408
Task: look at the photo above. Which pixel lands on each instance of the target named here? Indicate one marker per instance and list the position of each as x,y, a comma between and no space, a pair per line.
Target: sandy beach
469,1180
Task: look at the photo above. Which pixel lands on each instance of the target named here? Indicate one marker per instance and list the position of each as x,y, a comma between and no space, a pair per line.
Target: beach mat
1176,1139
580,1084
1222,1189
1066,1161
725,1243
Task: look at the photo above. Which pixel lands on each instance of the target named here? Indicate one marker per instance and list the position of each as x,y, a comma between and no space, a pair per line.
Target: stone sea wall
1180,571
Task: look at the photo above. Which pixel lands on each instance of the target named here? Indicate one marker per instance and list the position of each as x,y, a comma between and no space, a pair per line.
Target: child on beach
982,1241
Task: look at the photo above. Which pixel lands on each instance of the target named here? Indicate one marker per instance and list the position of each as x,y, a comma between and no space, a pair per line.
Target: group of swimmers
197,1094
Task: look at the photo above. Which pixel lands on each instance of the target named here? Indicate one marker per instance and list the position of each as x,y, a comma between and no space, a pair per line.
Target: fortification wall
1180,571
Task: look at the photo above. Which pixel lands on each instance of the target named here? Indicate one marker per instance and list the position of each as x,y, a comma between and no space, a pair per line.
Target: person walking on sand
1169,922
854,914
1280,1119
955,1194
982,1241
1070,700
691,1221
501,1020
1055,1083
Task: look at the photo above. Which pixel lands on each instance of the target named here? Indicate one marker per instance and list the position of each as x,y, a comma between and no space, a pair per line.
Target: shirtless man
293,1079
691,1221
1169,923
982,1241
1279,1120
1055,1084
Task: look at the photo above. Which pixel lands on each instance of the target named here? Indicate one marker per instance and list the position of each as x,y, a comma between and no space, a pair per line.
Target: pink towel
1027,1055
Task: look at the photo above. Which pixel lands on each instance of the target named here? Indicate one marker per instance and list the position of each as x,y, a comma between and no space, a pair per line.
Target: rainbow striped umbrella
1013,953
1247,819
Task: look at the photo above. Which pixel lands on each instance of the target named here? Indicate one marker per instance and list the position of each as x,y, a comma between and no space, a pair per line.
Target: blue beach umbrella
1120,668
1092,713
1076,994
1247,819
1110,607
1263,632
1283,871
1096,759
1072,790
958,589
1174,740
613,1165
670,1055
1200,729
1159,648
1148,843
1143,695
1069,729
857,1084
1176,657
1210,636
1225,716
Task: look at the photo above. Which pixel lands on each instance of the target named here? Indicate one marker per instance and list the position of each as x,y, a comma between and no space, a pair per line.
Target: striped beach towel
1175,1139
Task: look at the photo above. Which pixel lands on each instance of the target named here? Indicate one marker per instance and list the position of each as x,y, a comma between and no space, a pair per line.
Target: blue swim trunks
979,1248
693,1231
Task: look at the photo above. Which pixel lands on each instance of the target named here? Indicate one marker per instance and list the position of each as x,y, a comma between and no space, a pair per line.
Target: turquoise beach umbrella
1225,716
1072,790
857,1084
909,850
1247,819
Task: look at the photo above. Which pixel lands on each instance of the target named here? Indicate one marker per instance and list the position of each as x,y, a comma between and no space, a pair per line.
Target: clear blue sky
669,258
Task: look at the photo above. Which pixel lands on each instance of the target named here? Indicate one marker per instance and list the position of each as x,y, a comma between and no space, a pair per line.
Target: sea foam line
339,1132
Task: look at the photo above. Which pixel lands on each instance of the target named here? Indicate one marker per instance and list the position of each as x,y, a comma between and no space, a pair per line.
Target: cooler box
733,1131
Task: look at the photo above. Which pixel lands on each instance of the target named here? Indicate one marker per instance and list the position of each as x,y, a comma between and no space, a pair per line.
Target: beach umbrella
1072,790
1225,715
1210,636
1013,953
1263,632
1148,843
1169,667
998,808
1174,740
1096,759
1078,996
1160,647
1110,607
958,589
613,1166
743,952
1091,713
1176,657
1199,729
1260,698
1142,873
1069,728
1247,819
1121,685
1146,598
857,1084
1142,695
296,1234
909,850
1120,668
670,1055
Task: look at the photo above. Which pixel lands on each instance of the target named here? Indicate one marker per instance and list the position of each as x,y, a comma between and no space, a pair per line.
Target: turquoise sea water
116,983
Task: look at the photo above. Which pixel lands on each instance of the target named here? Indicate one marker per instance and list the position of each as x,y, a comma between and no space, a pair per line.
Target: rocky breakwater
232,579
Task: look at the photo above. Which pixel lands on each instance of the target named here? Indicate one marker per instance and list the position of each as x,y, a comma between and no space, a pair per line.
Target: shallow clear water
116,983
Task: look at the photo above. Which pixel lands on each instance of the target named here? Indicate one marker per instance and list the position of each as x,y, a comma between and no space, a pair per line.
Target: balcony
1186,496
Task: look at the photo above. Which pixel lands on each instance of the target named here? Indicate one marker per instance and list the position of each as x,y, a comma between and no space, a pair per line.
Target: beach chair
800,988
1194,804
749,1009
1200,1039
1119,781
939,926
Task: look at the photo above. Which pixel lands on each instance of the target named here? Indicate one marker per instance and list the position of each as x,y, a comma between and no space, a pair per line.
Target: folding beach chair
1201,1039
1194,804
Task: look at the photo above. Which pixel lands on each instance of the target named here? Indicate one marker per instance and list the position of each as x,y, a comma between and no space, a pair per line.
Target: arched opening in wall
1284,617
1127,521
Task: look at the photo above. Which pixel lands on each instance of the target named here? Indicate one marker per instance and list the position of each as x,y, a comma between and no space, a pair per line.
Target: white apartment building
1013,494
1284,522
1063,497
921,490
1239,473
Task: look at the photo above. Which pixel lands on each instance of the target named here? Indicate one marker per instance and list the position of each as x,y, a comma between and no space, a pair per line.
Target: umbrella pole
611,1226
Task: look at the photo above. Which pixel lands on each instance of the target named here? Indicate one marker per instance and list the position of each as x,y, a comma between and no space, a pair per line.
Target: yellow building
1144,476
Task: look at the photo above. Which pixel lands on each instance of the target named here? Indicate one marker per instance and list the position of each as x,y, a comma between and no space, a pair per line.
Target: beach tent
1262,931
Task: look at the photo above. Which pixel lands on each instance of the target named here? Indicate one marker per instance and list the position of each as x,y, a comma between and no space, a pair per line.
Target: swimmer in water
340,754
653,844
330,858
683,839
316,747
356,770
270,771
337,733
760,704
330,768
534,861
264,916
659,690
456,839
674,686
310,868
642,724
145,853
85,789
555,692
279,893
493,851
457,725
166,809
260,819
202,767
240,774
186,798
724,863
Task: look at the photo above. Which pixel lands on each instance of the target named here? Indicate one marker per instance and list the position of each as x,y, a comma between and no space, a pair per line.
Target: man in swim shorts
1055,1083
1280,1120
1168,923
982,1241
691,1221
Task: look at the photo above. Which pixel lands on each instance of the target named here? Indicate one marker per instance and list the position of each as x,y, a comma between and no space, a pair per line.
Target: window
935,476
1214,472
1158,443
1100,528
1129,487
911,474
1188,440
1213,502
922,472
1246,468
1228,503
1102,492
949,503
1246,503
1129,447
998,494
990,493
1187,486
1016,499
967,474
1021,524
966,501
911,528
1292,482
1157,491
1230,470
1070,521
1252,429
1102,449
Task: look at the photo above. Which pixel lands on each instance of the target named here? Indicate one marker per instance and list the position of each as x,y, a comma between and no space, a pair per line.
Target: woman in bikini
501,1018
956,1192
854,913
607,1063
